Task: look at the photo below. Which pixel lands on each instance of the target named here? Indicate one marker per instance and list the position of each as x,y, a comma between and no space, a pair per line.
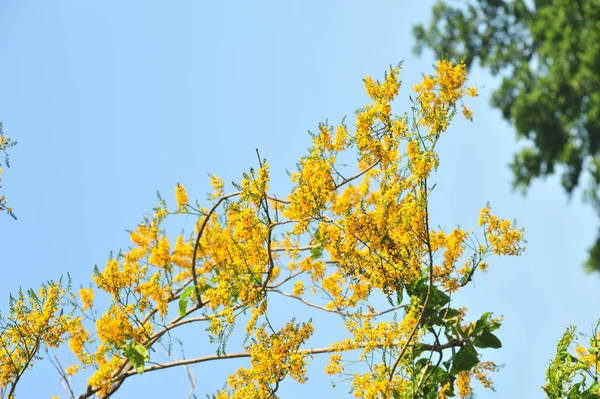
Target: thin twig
313,305
348,180
63,375
291,277
293,249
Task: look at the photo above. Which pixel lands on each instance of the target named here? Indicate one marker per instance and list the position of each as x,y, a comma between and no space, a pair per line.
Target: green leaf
487,340
182,307
594,387
465,359
316,252
137,355
439,298
187,293
418,288
448,313
183,300
565,357
483,322
575,392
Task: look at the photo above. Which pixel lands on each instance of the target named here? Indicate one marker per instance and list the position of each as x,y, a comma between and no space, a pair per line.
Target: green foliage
183,300
570,376
190,292
549,58
138,356
441,321
465,359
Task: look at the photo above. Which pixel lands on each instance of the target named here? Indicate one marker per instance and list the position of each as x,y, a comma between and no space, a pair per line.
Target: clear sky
111,101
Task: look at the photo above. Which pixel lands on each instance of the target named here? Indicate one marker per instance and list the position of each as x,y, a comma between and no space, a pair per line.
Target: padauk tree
341,238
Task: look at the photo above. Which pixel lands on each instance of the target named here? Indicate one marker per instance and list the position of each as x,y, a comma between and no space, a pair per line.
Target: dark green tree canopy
548,55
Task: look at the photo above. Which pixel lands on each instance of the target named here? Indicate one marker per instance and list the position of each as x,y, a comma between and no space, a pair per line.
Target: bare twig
313,305
291,277
63,376
348,180
292,249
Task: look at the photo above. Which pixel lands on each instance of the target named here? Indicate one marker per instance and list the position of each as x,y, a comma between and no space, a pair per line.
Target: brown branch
348,180
270,227
181,320
310,351
285,222
269,252
30,356
291,249
313,305
440,347
156,336
285,280
278,200
427,298
204,223
119,379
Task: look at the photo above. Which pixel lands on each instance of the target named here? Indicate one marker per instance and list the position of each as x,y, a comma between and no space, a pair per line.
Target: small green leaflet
187,293
183,300
137,355
487,340
465,359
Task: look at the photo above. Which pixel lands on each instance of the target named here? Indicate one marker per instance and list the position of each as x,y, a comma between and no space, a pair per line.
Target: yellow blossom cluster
504,237
181,197
438,94
36,320
87,298
274,356
254,186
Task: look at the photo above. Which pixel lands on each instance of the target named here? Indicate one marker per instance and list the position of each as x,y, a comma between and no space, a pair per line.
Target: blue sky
111,101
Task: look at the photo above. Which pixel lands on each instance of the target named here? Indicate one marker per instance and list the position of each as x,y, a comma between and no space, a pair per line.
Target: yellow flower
298,288
72,370
463,383
503,236
467,113
181,196
334,366
87,297
217,185
216,182
472,92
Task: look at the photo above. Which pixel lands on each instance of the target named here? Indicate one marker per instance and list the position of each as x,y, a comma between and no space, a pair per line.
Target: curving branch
427,297
197,245
310,351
